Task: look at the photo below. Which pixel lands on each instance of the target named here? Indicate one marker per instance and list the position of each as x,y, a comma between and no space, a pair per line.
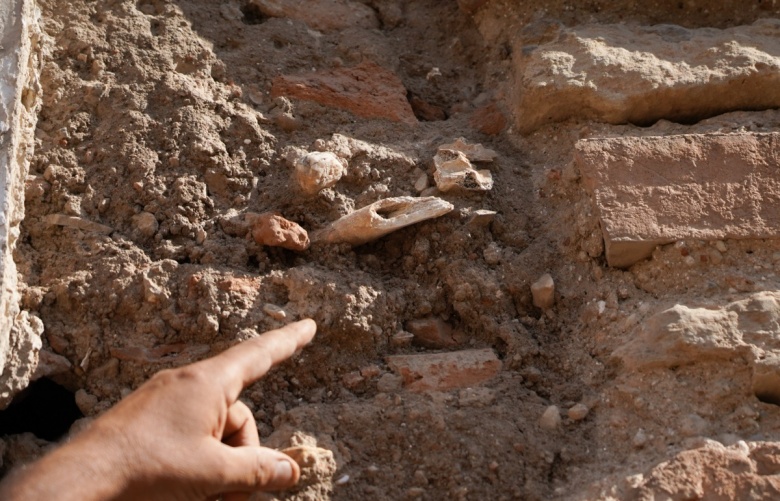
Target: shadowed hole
253,15
44,409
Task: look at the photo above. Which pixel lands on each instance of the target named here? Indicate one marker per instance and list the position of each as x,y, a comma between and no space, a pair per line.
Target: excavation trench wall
19,90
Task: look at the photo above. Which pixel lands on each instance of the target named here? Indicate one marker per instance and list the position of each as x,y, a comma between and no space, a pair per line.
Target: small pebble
578,412
640,439
402,338
551,418
492,254
85,401
275,312
318,170
145,223
543,291
275,231
422,183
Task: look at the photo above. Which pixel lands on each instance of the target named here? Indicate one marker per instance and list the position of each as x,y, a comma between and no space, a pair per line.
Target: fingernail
283,472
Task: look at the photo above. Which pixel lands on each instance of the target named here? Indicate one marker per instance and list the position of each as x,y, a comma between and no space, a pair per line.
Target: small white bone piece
474,152
453,170
380,218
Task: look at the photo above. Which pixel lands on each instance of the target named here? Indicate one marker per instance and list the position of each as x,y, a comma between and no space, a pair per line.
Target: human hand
183,435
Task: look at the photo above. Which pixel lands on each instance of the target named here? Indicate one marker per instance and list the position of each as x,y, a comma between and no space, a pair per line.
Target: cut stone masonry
656,190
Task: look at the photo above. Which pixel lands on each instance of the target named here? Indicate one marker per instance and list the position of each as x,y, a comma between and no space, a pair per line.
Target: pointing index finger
247,362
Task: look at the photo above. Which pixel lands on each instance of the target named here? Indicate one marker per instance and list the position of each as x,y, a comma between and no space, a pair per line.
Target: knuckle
263,472
189,374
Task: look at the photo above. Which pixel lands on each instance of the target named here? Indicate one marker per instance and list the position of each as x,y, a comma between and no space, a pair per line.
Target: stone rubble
551,418
318,170
578,412
273,230
431,332
454,169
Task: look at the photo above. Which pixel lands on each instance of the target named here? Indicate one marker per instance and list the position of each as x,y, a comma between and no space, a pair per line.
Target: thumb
249,468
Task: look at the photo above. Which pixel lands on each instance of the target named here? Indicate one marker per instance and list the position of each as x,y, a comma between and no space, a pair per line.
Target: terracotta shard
275,231
367,90
445,371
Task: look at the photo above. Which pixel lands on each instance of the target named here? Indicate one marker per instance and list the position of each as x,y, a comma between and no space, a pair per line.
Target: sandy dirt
158,123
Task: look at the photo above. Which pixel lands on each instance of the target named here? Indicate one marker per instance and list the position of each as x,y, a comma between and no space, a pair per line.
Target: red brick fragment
275,231
431,332
488,120
367,90
445,371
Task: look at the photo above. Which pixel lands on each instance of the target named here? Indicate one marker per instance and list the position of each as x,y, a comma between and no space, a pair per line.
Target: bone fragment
474,152
454,170
380,218
77,222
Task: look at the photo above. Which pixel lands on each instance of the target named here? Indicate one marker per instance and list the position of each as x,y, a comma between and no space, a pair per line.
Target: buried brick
656,190
445,371
366,90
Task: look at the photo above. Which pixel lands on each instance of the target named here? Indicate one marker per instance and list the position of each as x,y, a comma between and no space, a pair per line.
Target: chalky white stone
19,90
318,170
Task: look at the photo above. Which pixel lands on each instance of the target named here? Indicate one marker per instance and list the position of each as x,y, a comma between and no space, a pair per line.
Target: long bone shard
380,218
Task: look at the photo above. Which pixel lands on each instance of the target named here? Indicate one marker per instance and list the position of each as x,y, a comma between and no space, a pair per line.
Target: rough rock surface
164,107
367,90
708,471
20,62
275,231
743,330
318,170
626,74
655,190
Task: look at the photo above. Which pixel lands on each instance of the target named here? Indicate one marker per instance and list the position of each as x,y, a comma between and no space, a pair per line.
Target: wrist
91,467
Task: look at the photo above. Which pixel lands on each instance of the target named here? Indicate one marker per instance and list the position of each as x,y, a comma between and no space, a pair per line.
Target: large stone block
628,74
656,190
19,89
742,330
